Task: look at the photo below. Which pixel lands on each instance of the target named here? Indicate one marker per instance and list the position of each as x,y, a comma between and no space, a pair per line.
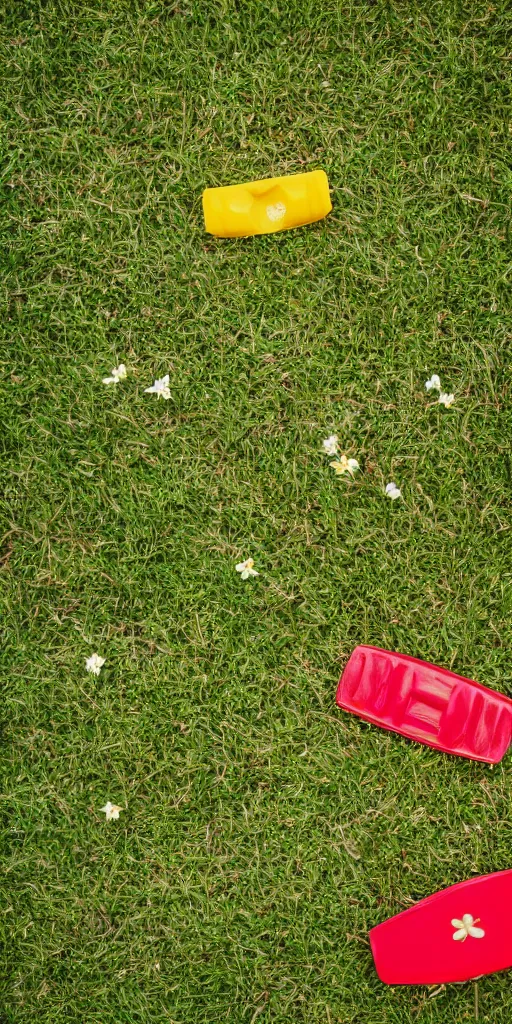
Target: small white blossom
118,373
246,568
330,445
393,491
111,811
160,388
434,382
446,400
344,465
94,664
467,927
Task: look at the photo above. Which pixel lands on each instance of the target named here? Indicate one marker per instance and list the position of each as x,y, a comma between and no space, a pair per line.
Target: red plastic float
455,935
426,703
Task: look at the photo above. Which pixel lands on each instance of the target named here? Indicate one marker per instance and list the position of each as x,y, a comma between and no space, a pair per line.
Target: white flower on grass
118,373
433,383
94,664
330,445
111,811
344,465
446,400
467,927
246,568
160,388
393,491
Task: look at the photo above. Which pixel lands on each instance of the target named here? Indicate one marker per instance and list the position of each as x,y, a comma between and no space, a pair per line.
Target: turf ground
264,831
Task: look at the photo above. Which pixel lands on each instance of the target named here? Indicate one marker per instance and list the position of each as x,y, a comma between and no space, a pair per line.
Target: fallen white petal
343,465
445,399
393,491
456,923
160,387
246,568
111,811
434,382
118,373
466,927
330,444
94,664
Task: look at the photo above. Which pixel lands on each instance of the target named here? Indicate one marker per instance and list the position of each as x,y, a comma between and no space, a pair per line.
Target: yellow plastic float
272,204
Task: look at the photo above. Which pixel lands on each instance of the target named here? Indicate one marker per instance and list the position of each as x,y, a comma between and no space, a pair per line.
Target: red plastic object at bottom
455,935
426,703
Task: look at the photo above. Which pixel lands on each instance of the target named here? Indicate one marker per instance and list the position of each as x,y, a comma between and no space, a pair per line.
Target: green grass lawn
264,831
